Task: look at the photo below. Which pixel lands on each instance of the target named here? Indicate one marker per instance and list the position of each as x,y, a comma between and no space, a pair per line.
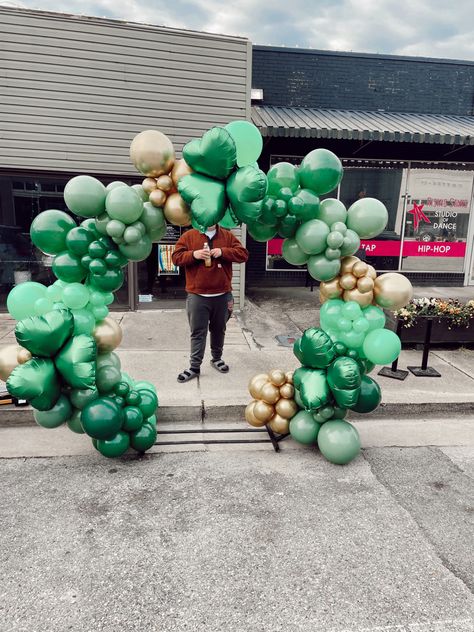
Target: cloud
431,28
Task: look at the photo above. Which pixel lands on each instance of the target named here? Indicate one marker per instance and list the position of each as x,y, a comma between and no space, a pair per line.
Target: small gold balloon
289,377
165,183
263,411
158,198
365,284
347,263
277,377
180,169
348,281
149,185
287,408
250,417
279,424
331,289
392,290
8,360
23,355
371,272
256,383
108,335
287,391
358,297
176,210
269,393
323,298
152,153
360,269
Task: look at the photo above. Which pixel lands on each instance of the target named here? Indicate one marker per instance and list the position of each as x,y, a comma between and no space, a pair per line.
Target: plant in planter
453,312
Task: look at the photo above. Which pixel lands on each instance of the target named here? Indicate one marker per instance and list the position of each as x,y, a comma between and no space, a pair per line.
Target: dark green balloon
229,220
97,250
244,186
268,211
133,419
339,441
133,398
213,155
107,378
90,225
114,447
370,396
344,379
149,403
151,421
104,359
304,205
205,196
261,232
67,267
115,259
138,251
317,348
288,226
281,176
78,240
36,381
97,267
49,230
45,335
75,423
143,439
312,386
111,281
321,171
57,415
303,428
76,362
102,418
82,396
122,388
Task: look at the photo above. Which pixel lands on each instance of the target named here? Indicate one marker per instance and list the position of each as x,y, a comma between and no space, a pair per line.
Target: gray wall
74,91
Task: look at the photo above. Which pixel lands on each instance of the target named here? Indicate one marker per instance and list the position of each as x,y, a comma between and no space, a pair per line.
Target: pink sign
381,248
434,249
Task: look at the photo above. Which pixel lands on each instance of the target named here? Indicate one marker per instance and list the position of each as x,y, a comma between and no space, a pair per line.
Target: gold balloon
348,281
250,417
287,391
256,384
323,298
180,169
269,393
289,377
263,411
8,360
392,290
277,377
152,153
371,272
108,335
165,183
279,424
360,269
287,408
347,263
176,210
331,289
149,185
158,197
365,284
23,355
358,297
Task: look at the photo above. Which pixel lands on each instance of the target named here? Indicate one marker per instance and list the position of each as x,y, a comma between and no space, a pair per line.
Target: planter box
440,334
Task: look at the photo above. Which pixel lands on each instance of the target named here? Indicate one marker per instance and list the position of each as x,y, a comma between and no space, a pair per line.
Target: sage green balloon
304,429
132,235
248,141
350,244
22,298
368,217
375,317
137,251
140,191
157,234
339,441
261,232
323,269
75,423
282,175
124,204
116,184
304,205
67,267
85,196
57,415
49,231
115,446
311,236
115,228
332,211
321,171
382,346
108,359
82,396
101,223
107,378
292,253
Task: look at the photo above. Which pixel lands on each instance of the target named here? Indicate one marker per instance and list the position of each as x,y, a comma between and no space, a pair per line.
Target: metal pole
424,370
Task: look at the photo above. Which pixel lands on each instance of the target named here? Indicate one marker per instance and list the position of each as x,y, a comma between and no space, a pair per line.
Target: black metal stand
309,280
270,436
424,370
394,372
276,438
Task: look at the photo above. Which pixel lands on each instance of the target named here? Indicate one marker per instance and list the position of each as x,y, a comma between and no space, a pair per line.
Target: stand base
419,371
398,374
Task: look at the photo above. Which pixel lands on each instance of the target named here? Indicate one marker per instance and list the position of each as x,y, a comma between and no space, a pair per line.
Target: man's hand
216,252
202,254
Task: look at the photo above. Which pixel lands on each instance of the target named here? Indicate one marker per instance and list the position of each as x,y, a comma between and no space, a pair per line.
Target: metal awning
292,122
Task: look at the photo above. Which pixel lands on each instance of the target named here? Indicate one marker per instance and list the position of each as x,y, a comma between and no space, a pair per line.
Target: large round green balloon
85,196
142,194
49,230
57,415
22,298
248,141
67,267
311,236
115,446
382,346
107,377
339,441
292,253
332,211
320,171
323,269
143,439
108,282
75,295
124,204
152,217
261,232
78,240
102,418
370,396
137,251
280,176
303,428
350,243
368,217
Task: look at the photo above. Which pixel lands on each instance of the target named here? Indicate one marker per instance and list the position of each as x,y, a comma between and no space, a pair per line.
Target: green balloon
332,211
335,239
22,298
374,316
282,175
124,204
382,346
261,232
114,447
149,402
116,184
157,234
98,267
304,205
132,235
82,396
206,197
311,236
67,267
140,191
115,259
292,253
344,379
151,421
75,295
109,282
84,321
138,251
122,388
102,418
229,220
133,398
49,230
304,429
43,306
107,378
248,141
133,418
108,359
214,155
288,227
320,171
75,423
37,382
269,210
339,441
115,228
370,396
144,438
78,240
45,335
85,196
101,223
323,269
76,361
350,243
144,385
317,349
246,185
368,217
312,386
100,312
57,415
152,217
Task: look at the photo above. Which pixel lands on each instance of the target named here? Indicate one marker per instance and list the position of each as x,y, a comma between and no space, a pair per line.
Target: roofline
337,53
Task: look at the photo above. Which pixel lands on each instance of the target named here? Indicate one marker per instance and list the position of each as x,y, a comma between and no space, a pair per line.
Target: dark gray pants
207,312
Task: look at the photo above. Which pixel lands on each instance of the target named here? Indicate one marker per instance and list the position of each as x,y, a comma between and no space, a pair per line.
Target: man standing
207,259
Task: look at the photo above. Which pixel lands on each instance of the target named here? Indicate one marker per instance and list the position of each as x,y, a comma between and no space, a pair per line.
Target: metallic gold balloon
287,408
371,272
158,198
165,183
347,263
279,424
108,335
348,281
277,377
8,360
289,377
180,169
323,298
263,411
149,185
331,289
287,391
269,393
358,297
152,153
256,384
23,355
365,284
392,290
250,417
360,269
176,210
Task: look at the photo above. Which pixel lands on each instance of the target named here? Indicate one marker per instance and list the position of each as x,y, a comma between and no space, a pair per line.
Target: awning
295,122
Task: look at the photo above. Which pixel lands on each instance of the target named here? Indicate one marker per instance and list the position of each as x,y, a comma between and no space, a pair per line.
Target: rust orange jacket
216,278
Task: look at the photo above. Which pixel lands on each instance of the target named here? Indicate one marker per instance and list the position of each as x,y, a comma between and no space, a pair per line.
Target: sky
430,28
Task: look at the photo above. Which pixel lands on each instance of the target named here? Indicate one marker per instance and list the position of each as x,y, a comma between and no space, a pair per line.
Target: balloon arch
65,363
